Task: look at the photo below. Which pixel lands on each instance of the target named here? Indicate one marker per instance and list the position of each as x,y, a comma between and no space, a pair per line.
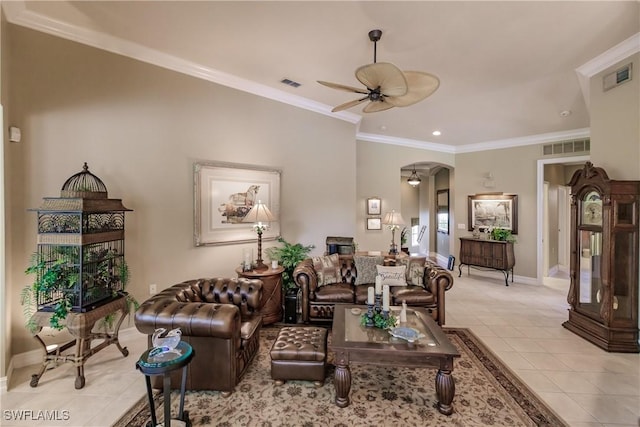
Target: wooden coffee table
353,343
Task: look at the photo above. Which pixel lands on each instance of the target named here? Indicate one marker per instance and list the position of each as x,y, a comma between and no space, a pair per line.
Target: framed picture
224,193
374,206
374,224
493,210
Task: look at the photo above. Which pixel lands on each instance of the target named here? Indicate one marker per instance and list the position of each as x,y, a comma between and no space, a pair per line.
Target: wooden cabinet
271,302
603,295
484,253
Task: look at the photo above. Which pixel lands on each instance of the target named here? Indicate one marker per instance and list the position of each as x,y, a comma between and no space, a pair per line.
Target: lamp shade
393,218
259,213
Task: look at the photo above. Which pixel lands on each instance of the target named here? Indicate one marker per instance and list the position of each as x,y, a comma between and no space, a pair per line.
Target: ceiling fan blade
343,87
349,104
375,106
420,85
389,78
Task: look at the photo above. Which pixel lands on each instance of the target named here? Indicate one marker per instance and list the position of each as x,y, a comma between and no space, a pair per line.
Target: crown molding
605,60
18,14
481,146
405,142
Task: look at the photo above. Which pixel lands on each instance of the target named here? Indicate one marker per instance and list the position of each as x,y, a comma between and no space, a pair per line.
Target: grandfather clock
603,295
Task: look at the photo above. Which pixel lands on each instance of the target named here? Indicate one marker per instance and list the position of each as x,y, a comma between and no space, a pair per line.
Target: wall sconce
414,179
488,182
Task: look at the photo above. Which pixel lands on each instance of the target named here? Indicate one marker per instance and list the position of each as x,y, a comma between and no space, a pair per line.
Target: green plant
57,279
403,237
288,256
380,321
502,234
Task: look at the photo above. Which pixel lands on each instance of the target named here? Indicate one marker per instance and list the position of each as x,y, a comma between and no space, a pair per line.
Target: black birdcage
80,254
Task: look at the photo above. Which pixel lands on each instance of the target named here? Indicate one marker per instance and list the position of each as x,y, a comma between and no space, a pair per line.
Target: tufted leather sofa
318,303
219,317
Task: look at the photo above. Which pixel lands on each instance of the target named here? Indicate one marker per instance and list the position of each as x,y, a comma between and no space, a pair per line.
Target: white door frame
540,206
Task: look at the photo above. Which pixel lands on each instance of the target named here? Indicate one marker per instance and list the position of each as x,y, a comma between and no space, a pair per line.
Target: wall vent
564,147
616,78
290,82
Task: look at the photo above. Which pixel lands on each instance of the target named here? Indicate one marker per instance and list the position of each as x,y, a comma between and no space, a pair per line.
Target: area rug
487,394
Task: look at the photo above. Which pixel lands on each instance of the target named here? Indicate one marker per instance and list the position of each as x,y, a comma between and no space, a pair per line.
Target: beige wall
615,124
5,329
410,208
140,128
378,167
514,171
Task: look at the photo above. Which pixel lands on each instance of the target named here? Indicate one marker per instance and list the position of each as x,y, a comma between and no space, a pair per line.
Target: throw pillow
327,268
412,264
366,268
416,272
392,276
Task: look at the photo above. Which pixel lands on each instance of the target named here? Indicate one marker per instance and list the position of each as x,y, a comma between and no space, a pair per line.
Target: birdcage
80,254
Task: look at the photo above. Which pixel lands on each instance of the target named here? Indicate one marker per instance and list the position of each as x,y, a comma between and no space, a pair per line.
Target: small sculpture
166,341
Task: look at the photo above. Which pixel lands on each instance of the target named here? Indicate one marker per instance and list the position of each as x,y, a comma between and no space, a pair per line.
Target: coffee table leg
342,380
445,390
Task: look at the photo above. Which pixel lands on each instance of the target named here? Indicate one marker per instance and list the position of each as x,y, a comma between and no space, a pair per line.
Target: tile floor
520,323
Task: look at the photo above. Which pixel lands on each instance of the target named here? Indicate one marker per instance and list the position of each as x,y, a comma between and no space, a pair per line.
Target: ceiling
507,69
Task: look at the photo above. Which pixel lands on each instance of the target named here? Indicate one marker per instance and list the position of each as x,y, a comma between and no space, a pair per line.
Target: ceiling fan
386,86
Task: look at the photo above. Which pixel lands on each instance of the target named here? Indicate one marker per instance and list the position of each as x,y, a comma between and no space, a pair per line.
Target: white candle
403,312
370,297
385,298
378,284
274,264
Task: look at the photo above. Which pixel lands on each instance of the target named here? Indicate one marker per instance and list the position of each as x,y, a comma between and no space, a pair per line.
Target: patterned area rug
487,394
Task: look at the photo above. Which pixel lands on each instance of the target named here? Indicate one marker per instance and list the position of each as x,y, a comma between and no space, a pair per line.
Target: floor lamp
393,220
260,215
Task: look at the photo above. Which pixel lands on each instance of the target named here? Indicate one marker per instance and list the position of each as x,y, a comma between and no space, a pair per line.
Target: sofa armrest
437,281
194,319
306,279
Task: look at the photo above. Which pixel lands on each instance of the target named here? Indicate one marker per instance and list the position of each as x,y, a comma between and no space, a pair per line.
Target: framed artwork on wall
224,193
374,224
493,210
374,206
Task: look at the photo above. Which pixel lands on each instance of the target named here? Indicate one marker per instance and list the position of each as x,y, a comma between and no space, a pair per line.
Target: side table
163,364
271,302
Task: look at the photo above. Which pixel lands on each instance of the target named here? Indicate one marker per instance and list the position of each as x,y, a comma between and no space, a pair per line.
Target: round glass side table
152,363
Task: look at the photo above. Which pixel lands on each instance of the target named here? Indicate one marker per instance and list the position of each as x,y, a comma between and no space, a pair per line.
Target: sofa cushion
362,294
392,276
338,292
366,268
327,268
412,295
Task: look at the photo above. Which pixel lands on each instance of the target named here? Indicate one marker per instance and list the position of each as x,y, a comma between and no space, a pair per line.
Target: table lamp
393,220
260,215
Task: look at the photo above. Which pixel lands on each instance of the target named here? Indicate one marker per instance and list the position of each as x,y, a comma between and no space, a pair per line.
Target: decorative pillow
412,264
392,276
416,274
366,268
327,268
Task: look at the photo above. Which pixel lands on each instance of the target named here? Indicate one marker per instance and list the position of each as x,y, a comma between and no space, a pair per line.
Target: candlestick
378,284
370,296
378,303
385,298
369,319
403,312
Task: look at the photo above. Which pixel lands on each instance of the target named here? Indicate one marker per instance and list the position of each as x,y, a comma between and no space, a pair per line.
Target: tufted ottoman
299,353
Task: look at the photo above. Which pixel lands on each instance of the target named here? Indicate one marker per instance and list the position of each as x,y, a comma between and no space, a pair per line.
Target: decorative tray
408,334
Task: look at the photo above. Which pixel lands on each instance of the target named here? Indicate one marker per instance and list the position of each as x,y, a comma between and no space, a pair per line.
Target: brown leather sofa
219,317
318,302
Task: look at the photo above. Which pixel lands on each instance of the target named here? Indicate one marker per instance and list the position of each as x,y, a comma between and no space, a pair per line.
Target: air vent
564,147
290,82
621,75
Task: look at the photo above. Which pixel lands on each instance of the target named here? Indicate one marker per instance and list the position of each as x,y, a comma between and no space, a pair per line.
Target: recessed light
383,128
565,113
436,133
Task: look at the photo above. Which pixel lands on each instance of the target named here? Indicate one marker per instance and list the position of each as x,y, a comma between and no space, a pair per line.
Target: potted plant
404,236
288,256
502,234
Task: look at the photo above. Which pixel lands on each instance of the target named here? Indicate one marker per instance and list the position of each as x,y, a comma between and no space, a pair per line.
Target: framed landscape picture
224,193
493,210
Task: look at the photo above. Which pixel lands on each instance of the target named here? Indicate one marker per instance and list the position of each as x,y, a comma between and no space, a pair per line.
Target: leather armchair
219,317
